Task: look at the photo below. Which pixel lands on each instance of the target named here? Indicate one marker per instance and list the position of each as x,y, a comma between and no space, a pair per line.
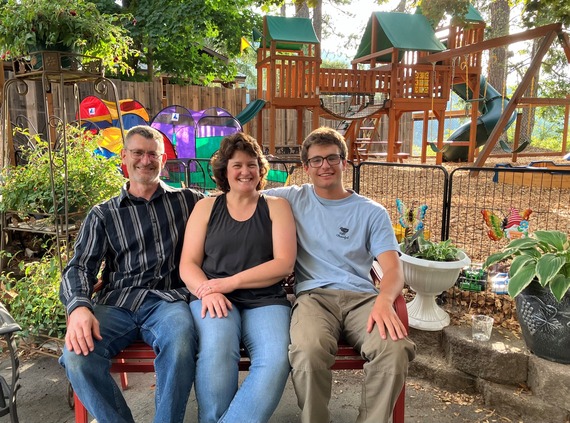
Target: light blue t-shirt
337,239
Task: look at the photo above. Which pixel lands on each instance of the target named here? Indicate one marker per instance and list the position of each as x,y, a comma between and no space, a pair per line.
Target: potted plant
28,26
539,281
430,267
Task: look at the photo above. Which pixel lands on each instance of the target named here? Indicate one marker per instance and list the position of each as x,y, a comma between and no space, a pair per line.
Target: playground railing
353,81
291,78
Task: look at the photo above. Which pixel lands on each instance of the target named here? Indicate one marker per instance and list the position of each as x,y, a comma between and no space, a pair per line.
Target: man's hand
384,316
82,327
216,304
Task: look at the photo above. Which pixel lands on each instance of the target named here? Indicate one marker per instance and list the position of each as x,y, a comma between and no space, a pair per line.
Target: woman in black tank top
238,247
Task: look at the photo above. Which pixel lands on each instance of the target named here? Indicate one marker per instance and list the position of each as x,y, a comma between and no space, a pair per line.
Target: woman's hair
229,145
323,136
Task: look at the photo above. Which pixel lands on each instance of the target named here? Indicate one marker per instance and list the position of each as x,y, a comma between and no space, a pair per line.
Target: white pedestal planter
429,279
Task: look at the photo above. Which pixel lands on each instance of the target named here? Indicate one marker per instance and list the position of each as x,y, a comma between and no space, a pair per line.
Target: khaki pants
320,317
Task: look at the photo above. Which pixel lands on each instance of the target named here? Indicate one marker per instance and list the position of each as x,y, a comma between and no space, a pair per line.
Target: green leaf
555,239
495,258
548,266
521,243
559,286
521,279
520,261
532,252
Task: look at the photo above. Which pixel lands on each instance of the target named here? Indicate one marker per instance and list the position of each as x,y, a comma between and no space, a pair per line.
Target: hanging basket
70,65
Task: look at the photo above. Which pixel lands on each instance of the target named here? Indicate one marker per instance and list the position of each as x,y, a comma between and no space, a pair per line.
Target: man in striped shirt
136,238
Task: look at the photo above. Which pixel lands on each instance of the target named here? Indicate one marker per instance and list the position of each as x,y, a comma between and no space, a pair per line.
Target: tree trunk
499,12
150,64
401,7
527,120
318,19
301,10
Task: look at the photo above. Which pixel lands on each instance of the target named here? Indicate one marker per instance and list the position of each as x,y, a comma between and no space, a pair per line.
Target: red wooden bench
139,358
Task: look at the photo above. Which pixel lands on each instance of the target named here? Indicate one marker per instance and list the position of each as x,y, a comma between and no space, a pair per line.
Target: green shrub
35,305
26,189
91,178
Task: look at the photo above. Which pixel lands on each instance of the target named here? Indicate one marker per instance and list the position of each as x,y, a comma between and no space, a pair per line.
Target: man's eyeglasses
332,159
139,154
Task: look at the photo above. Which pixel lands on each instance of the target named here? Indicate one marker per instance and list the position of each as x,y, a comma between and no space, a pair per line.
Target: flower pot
545,322
429,279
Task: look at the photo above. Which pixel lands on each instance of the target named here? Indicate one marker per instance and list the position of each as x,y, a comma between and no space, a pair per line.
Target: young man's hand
384,316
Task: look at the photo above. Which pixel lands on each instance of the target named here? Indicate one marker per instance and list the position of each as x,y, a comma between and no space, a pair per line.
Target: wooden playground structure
394,76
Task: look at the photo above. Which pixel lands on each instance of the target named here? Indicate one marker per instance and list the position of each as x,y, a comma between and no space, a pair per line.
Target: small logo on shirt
342,233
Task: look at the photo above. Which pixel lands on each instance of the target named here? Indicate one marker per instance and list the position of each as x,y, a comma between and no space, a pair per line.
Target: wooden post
300,125
260,127
392,133
392,113
272,126
425,136
565,130
440,116
517,135
476,90
316,117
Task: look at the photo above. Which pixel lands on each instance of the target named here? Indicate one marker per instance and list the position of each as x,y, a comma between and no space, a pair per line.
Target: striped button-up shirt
139,244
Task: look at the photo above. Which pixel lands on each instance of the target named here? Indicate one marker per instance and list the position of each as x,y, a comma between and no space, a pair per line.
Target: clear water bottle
500,283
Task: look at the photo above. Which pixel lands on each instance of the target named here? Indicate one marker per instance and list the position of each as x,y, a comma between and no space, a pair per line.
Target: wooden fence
28,110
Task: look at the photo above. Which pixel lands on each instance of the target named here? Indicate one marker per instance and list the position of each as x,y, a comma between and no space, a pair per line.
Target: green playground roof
403,31
473,15
290,33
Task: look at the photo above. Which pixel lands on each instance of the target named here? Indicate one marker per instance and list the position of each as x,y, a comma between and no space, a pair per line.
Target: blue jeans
168,328
264,331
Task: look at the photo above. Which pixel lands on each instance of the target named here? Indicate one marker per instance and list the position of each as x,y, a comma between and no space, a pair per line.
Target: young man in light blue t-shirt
339,233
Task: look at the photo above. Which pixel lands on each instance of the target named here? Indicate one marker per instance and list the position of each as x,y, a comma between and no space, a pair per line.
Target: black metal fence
416,187
480,209
538,198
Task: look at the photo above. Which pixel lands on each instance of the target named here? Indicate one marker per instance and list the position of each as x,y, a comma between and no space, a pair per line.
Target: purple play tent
195,134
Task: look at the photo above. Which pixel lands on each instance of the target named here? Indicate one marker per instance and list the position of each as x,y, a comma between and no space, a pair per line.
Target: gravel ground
43,398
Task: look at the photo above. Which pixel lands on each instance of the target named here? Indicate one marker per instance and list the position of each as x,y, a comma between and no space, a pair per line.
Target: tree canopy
197,41
191,40
555,10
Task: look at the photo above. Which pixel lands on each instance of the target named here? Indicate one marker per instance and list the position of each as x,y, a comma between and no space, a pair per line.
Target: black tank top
233,246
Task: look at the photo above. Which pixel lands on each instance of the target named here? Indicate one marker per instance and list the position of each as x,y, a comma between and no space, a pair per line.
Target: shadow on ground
43,398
